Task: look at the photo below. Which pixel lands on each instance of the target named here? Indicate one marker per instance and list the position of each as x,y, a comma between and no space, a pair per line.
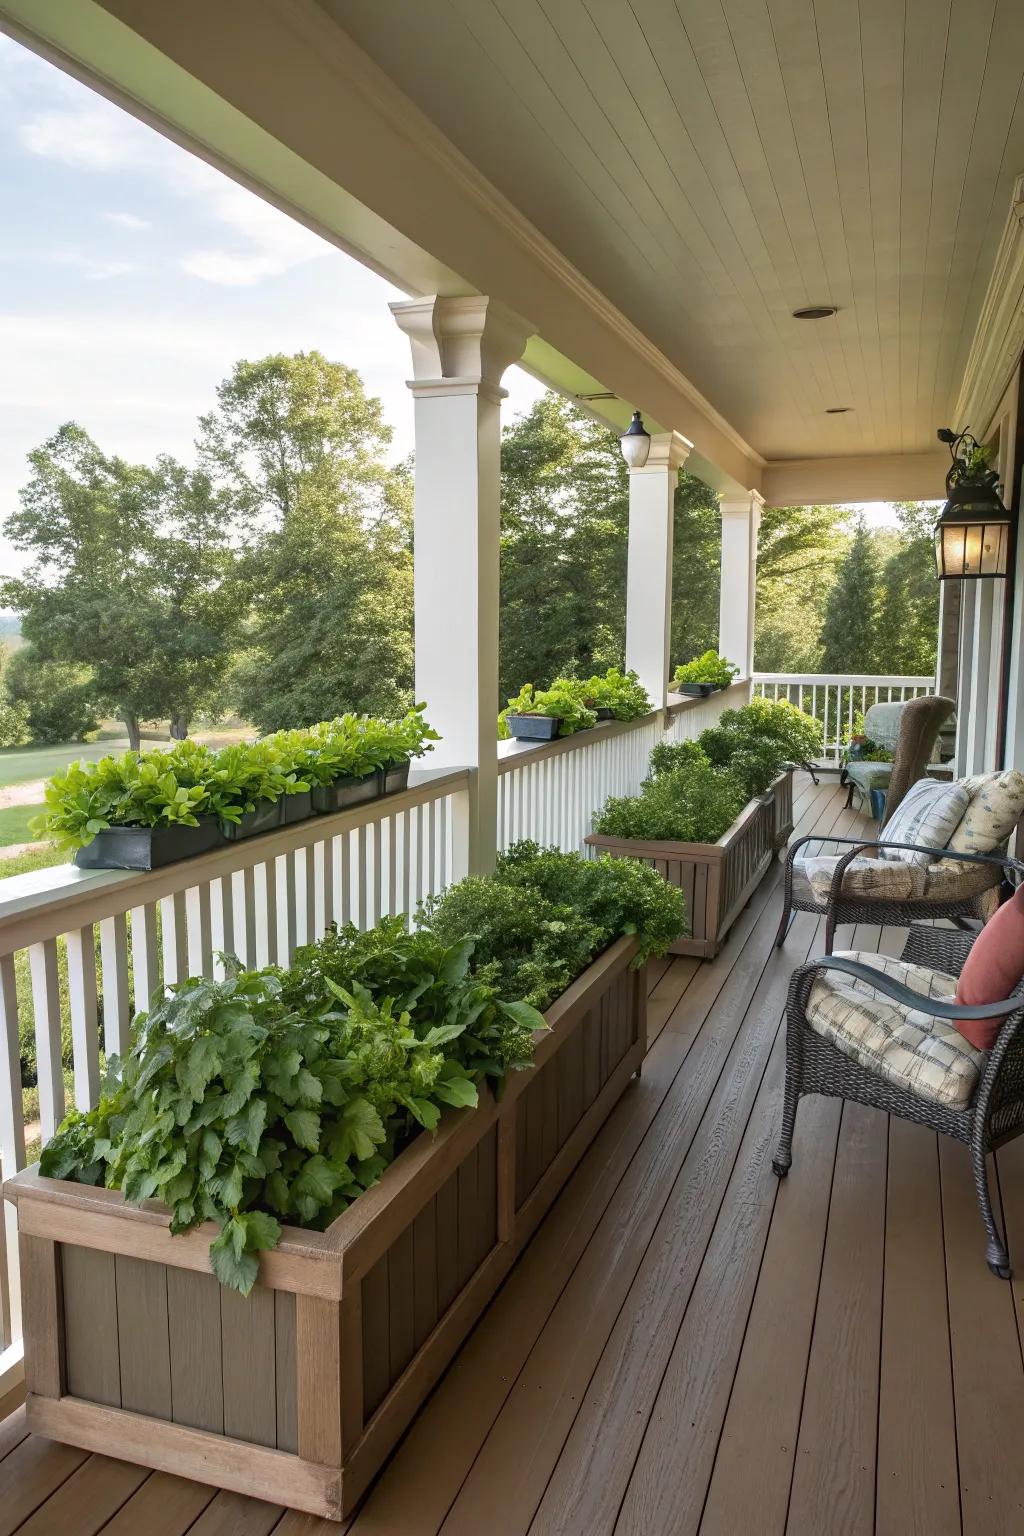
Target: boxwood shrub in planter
713,813
704,675
299,1127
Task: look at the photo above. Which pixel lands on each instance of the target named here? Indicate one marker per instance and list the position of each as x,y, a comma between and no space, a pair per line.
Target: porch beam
741,519
866,477
652,492
460,346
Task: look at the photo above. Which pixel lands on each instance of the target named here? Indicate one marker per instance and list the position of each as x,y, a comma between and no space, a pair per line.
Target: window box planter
696,690
299,1393
717,879
263,818
148,848
346,792
295,807
534,727
396,778
603,713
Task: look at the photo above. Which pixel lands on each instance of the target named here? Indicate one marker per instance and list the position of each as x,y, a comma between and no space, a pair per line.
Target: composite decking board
163,1506
988,1384
29,1475
918,1492
92,1495
836,1492
231,1514
13,1430
697,1131
664,998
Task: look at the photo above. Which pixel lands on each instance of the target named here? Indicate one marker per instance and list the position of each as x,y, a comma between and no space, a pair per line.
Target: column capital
461,343
669,451
746,504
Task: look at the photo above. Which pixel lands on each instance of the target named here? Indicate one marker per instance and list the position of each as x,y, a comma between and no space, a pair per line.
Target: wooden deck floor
688,1346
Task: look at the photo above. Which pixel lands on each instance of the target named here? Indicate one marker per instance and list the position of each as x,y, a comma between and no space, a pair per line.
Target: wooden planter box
717,879
298,1393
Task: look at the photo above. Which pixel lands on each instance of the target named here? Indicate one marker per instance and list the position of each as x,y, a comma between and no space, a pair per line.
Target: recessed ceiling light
816,312
837,410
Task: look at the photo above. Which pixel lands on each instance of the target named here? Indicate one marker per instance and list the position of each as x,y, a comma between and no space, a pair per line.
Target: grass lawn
14,820
22,863
20,765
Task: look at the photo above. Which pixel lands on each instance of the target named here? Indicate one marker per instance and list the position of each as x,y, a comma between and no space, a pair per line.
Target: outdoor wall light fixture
972,535
636,442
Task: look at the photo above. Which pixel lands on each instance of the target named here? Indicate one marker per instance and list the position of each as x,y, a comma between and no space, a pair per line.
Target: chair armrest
938,1007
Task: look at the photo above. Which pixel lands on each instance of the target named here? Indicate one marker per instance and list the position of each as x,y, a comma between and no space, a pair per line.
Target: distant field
21,764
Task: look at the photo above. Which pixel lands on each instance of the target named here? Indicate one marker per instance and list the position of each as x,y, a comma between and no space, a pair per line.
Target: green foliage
298,449
129,577
621,692
176,787
694,803
543,916
907,622
799,550
57,696
796,734
709,668
848,631
278,1097
562,701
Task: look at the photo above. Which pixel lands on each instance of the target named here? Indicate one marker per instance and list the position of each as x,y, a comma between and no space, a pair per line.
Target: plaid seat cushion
870,879
905,1046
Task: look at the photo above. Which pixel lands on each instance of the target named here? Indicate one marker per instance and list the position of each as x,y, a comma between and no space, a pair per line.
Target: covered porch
685,1344
688,1345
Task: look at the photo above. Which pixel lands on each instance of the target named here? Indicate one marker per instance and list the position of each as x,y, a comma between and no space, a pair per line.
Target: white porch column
461,346
652,492
741,518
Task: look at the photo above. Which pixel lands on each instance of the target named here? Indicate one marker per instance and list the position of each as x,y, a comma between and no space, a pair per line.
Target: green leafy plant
131,790
563,701
621,692
694,803
709,668
542,917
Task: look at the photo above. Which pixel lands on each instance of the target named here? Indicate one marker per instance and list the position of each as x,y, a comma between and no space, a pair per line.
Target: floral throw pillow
997,802
929,814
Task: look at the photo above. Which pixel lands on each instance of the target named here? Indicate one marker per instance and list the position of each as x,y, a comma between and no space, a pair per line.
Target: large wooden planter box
717,879
298,1393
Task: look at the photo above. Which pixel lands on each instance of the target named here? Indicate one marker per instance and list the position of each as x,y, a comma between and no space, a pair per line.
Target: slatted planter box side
299,1393
716,879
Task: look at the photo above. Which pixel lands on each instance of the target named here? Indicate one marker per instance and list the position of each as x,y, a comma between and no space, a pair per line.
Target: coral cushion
993,968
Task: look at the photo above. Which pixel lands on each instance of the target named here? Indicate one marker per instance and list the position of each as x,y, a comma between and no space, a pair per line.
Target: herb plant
709,668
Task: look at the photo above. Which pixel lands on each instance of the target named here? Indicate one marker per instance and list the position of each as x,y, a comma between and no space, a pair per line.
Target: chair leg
787,912
830,931
849,797
996,1256
784,1152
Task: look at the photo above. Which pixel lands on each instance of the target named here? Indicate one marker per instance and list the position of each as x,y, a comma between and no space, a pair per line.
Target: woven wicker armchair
994,1113
959,899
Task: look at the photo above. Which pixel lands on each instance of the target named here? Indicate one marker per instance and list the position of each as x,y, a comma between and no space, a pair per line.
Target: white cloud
127,220
101,138
95,269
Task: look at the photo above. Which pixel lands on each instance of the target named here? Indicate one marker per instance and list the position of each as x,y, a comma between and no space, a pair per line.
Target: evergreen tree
906,631
848,633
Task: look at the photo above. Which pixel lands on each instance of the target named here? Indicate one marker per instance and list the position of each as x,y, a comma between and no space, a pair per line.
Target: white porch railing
835,700
549,792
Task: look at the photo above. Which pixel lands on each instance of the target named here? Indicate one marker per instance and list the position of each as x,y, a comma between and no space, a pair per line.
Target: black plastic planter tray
396,778
534,727
604,714
347,792
697,690
148,847
265,817
296,807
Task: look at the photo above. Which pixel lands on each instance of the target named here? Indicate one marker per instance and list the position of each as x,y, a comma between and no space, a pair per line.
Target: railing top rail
678,702
514,754
48,902
854,679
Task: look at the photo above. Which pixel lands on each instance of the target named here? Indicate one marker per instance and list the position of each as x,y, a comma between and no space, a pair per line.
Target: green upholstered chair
910,730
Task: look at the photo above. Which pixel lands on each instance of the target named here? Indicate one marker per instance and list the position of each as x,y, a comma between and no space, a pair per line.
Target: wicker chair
995,1113
916,725
799,896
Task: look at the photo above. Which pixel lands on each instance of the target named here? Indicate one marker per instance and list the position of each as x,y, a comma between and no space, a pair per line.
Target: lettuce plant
709,668
562,701
621,692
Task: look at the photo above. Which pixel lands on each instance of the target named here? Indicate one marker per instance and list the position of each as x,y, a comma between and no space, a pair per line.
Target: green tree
798,553
298,448
906,629
848,630
129,577
696,569
56,696
564,520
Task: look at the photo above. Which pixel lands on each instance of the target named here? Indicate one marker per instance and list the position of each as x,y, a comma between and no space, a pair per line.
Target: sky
133,276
